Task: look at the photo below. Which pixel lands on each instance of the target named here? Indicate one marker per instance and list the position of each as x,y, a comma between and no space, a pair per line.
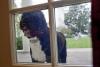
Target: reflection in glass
75,23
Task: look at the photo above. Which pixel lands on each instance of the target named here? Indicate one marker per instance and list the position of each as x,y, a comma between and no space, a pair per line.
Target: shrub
19,43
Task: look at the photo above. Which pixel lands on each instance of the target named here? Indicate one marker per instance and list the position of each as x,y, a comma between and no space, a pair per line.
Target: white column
26,44
59,14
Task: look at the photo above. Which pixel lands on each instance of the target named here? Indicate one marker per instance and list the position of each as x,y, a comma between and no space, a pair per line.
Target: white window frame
50,6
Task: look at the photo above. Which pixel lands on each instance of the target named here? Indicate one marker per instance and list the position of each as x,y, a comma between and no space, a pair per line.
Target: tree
77,18
67,32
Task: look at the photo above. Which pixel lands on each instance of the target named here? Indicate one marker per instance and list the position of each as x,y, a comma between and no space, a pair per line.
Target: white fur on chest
37,53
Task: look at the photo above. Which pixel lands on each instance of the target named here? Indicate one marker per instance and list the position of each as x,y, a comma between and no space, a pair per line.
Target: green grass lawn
83,42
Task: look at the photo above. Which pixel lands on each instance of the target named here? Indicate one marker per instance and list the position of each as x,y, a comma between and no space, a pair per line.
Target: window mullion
53,38
12,40
43,6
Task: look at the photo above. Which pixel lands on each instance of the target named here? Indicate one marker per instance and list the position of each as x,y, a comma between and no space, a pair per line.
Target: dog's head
34,22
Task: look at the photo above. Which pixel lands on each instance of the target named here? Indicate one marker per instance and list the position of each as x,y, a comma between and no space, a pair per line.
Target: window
50,7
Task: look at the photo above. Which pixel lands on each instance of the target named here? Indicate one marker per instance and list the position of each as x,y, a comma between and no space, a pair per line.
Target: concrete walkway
76,56
79,56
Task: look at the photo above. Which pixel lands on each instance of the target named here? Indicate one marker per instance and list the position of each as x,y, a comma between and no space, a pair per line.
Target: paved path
79,57
75,57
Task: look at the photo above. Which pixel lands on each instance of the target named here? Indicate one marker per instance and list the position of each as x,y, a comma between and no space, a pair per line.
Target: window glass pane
32,37
25,3
75,24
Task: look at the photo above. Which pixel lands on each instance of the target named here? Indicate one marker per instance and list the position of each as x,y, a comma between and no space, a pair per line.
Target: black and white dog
34,26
